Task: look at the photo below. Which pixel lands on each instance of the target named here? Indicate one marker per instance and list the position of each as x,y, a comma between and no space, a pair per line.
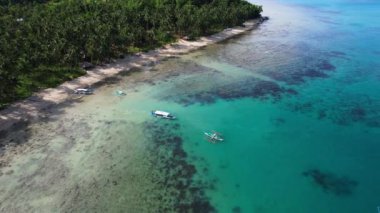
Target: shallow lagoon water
297,101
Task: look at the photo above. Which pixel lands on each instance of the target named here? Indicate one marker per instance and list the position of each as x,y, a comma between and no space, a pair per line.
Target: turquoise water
297,101
311,145
298,104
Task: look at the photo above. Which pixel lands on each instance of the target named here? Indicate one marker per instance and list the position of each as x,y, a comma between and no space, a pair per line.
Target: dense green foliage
43,42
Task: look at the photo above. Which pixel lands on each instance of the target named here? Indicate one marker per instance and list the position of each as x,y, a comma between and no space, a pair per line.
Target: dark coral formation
236,209
177,172
357,113
325,65
260,89
343,111
278,121
367,114
374,123
321,114
299,76
340,186
337,54
247,88
299,73
302,107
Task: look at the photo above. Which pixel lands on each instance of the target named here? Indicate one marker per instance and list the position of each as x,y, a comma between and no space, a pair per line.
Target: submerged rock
236,209
340,186
358,113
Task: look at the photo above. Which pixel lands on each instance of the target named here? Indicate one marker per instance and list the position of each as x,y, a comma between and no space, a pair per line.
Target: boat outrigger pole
214,137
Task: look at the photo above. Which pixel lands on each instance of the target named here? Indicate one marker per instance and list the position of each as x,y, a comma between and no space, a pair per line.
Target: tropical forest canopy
43,42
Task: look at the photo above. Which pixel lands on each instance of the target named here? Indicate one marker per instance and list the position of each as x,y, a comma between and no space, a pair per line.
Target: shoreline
32,107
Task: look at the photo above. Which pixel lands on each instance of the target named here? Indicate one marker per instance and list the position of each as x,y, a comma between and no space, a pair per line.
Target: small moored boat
214,137
84,91
163,114
121,93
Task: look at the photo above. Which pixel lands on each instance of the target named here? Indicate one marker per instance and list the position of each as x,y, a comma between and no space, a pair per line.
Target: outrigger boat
214,137
84,91
162,114
121,93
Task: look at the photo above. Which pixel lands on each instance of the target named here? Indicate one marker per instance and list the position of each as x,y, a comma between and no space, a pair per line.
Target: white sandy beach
33,106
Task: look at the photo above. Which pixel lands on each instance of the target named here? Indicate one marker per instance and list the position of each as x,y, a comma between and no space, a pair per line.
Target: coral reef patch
331,183
176,174
289,75
246,88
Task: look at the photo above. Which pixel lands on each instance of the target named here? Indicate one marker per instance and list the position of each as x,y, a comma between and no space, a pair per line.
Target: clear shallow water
297,100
